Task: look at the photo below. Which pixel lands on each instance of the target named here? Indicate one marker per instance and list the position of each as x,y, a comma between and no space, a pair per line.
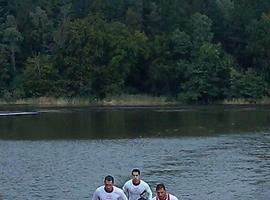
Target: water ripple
223,167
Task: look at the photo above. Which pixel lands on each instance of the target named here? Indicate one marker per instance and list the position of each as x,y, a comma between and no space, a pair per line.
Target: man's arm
149,191
174,197
125,189
122,194
95,196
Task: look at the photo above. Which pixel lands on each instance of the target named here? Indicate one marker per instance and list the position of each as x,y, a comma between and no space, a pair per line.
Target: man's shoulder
144,183
100,189
117,189
172,197
129,182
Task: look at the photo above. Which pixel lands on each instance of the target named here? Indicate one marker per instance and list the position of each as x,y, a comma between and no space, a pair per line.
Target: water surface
132,122
197,152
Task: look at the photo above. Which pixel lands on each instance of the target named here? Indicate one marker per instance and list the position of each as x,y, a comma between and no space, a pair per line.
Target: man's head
161,191
108,183
136,176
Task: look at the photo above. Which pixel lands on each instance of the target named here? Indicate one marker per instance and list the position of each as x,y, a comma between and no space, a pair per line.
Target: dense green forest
188,50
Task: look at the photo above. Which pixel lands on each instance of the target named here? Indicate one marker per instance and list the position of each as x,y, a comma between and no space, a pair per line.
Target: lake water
209,152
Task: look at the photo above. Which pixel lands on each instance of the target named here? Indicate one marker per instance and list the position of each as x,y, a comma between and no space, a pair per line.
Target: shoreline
119,101
127,100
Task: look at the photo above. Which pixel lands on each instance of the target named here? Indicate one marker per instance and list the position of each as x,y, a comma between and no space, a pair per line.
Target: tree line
188,50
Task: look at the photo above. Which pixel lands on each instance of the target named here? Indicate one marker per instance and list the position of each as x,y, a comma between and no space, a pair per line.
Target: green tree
243,13
64,16
151,18
40,77
12,39
173,14
41,31
133,19
258,45
200,30
110,9
169,58
4,11
98,56
248,85
81,8
5,75
208,80
180,44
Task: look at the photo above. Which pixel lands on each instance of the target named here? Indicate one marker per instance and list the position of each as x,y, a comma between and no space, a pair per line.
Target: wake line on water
17,113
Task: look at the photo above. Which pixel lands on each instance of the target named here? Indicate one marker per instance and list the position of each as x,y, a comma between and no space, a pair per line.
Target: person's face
136,177
108,186
161,194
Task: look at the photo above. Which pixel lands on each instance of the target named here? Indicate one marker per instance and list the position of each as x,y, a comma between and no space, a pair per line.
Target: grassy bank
124,100
263,101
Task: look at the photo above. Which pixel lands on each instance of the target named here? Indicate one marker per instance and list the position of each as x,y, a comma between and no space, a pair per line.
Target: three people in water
133,189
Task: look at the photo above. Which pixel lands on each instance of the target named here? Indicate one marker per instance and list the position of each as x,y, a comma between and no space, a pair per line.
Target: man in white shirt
161,193
108,191
137,189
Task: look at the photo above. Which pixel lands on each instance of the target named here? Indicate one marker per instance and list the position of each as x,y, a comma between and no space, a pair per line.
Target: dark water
198,152
111,123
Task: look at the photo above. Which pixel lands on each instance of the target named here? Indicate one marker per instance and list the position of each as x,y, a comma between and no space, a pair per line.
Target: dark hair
160,186
136,170
109,178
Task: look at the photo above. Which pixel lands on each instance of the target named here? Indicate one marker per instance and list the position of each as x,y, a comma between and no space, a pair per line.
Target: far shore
124,100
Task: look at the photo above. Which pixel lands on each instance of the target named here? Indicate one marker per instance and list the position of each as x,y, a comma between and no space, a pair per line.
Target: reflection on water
218,167
111,123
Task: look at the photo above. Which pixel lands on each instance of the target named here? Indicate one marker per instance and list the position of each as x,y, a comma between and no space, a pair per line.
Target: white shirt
116,194
133,192
169,197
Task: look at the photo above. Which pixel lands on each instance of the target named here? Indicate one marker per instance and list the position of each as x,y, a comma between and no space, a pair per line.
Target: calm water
198,152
